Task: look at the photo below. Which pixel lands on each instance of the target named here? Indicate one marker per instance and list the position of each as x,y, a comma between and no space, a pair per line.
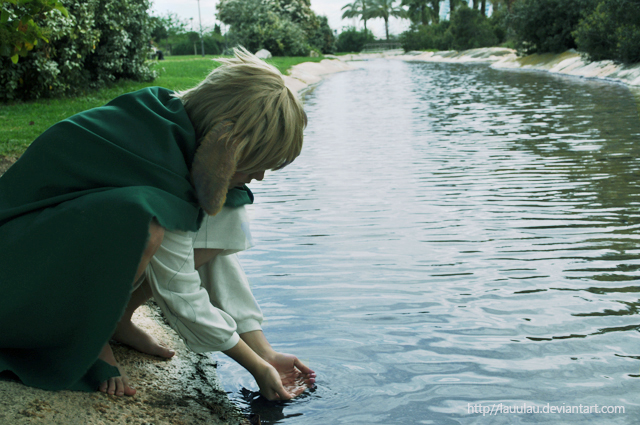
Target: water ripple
453,235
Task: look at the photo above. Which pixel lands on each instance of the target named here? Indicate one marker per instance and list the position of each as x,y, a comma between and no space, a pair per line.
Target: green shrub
427,37
611,31
19,31
469,29
352,40
183,44
323,38
94,45
547,25
499,21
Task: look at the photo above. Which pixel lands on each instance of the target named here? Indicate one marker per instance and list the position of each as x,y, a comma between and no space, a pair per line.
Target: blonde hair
268,119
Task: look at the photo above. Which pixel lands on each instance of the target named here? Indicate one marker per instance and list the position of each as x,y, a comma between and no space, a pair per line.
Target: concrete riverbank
569,63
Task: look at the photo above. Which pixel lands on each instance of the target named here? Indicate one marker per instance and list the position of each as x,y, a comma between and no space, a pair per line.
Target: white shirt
211,306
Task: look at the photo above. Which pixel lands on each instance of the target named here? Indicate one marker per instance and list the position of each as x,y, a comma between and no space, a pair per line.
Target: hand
286,371
294,375
268,379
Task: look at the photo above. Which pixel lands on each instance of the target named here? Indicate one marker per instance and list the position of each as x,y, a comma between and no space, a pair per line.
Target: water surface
451,236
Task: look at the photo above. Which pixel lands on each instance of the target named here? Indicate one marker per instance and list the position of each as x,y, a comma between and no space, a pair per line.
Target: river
454,239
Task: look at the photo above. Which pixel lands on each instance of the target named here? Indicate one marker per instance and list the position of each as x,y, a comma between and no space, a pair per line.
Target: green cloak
74,218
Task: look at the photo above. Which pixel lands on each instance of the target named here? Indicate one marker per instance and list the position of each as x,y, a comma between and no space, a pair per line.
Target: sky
187,9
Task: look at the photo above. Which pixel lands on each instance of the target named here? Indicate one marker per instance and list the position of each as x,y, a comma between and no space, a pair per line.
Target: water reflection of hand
296,377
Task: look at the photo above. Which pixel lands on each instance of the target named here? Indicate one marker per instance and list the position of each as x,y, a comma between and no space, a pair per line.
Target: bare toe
112,386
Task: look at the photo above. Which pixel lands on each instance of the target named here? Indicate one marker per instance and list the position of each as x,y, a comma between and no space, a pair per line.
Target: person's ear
214,164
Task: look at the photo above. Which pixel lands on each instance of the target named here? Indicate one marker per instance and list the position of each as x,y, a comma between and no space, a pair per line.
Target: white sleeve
177,289
229,289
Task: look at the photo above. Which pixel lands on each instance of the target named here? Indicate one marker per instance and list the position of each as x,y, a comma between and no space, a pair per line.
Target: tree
453,5
547,25
423,11
324,38
284,27
385,9
352,40
470,30
611,31
355,9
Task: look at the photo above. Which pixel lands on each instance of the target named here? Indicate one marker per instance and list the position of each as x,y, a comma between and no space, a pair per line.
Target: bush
547,25
183,44
323,38
470,30
92,46
499,21
352,40
427,37
611,31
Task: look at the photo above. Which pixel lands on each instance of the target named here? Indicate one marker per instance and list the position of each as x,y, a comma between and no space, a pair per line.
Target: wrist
246,357
259,344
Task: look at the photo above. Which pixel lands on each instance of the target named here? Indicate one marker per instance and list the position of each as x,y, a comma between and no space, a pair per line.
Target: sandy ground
184,390
181,391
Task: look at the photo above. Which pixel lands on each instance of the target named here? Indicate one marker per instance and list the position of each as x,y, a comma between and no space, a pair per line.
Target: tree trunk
475,4
483,7
435,4
386,27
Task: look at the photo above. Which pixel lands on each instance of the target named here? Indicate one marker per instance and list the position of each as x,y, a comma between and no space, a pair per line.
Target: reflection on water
453,235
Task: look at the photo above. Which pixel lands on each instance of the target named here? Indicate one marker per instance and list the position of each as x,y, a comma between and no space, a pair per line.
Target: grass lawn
22,122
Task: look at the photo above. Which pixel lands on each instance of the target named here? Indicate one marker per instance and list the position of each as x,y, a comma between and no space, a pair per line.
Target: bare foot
118,385
130,334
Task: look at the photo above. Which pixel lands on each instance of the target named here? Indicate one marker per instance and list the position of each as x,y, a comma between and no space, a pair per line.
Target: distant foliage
94,45
284,27
611,31
352,40
323,38
427,37
547,25
183,44
468,29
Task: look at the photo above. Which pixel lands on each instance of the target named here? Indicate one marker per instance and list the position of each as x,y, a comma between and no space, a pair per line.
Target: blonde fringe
268,119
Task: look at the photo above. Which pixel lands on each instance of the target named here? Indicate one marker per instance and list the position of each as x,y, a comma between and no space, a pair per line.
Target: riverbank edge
184,390
569,63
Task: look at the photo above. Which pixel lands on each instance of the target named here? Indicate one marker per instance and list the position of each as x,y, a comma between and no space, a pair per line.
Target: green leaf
4,17
14,59
61,8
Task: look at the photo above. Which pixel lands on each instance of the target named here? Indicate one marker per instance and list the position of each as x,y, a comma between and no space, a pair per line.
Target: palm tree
385,9
355,9
420,12
435,6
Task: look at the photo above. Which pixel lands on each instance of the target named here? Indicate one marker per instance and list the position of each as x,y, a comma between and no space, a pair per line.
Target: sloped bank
567,63
306,74
184,390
